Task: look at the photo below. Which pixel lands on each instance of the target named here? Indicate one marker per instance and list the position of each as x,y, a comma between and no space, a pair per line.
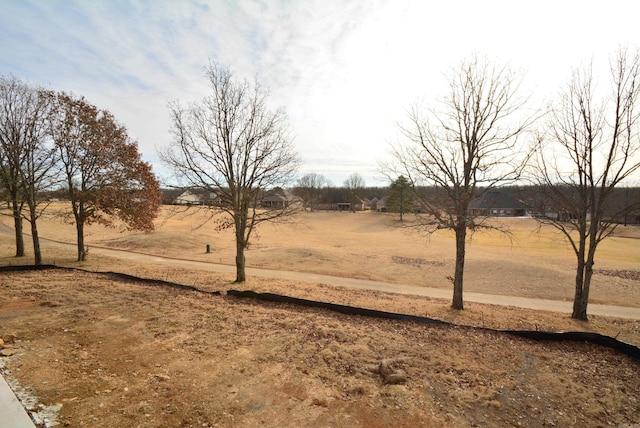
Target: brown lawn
122,353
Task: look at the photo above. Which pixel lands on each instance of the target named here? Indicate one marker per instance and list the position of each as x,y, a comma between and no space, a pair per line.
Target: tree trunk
82,254
240,262
461,236
17,220
37,254
579,303
579,308
241,244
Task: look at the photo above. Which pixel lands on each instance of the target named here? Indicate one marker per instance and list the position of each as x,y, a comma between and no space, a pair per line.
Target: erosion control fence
573,336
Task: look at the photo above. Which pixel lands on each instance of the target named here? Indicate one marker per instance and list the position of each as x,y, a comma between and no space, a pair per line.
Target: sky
345,71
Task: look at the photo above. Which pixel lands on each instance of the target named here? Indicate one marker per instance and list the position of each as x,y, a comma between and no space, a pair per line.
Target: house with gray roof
495,203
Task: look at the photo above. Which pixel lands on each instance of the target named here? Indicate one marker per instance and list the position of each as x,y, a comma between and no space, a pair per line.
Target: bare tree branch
469,145
26,157
230,143
591,148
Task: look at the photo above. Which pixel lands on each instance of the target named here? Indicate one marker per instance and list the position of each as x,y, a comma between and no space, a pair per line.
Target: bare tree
25,157
354,184
104,175
466,147
308,188
39,168
12,121
230,143
592,146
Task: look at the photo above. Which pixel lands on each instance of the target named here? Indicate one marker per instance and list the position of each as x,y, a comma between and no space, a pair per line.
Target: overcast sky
345,71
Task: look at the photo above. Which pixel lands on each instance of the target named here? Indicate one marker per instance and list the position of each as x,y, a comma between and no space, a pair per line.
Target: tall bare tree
104,175
38,170
230,143
354,185
592,147
26,158
467,146
12,119
308,188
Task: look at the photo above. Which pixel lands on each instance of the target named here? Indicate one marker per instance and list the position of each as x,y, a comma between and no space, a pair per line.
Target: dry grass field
532,263
106,352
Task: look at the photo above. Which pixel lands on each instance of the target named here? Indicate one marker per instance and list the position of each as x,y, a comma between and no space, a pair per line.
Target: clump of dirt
115,352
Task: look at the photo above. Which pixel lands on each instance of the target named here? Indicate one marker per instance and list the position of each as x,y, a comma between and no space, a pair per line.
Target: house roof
279,194
197,195
496,200
188,195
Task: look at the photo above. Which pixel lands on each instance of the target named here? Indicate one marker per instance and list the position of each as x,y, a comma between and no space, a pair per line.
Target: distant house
188,198
197,197
169,195
279,198
212,198
373,204
367,203
560,214
343,206
497,204
381,204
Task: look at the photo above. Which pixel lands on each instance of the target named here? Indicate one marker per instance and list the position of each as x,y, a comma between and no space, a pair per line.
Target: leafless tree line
478,137
51,139
590,147
579,151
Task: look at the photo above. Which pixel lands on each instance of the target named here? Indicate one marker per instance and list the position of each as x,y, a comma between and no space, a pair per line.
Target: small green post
208,248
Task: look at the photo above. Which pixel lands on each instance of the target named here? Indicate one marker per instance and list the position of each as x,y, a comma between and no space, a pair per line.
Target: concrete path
439,293
12,414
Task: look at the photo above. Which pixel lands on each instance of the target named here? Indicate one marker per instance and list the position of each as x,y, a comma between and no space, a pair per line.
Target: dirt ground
108,352
94,350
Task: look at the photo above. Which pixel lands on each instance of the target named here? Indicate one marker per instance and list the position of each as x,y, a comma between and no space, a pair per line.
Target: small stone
9,338
7,352
322,402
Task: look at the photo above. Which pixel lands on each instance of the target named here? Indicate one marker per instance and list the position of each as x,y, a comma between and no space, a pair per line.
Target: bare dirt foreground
107,352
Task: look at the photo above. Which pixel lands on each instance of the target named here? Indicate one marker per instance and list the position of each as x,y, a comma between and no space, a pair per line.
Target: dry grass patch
534,263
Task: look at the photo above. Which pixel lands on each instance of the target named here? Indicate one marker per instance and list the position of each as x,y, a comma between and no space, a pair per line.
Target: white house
188,198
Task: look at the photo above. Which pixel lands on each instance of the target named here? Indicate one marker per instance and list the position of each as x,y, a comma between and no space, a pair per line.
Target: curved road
493,299
520,302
